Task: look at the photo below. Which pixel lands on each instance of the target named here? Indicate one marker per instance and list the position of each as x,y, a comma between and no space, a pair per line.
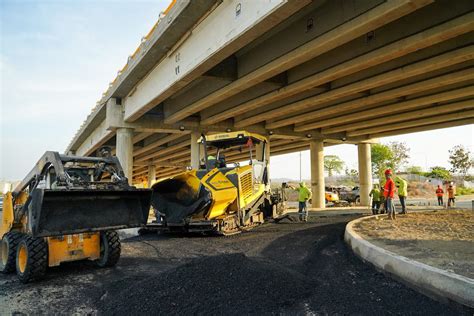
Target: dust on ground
443,239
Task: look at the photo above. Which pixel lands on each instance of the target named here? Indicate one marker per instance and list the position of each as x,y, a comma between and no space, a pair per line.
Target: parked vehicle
331,195
350,195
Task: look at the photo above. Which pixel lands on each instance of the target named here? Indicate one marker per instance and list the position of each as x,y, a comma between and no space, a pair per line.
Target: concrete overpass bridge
308,74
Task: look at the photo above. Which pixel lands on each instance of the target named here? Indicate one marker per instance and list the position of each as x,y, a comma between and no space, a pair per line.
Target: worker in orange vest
388,192
451,194
439,194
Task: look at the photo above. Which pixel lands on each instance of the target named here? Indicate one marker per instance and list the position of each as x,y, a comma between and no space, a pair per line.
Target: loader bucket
57,212
180,197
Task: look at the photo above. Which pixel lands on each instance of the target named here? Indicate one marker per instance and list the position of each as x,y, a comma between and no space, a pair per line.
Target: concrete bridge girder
431,115
353,28
331,103
228,30
404,106
426,124
96,138
147,124
265,111
423,128
330,67
303,121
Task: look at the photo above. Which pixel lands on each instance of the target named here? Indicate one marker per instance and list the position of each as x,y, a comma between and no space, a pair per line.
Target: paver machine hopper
68,208
221,196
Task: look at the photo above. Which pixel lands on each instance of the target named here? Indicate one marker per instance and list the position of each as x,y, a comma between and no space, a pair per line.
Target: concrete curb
429,280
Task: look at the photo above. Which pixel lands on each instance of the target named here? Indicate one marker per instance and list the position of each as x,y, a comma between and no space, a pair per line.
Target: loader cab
77,174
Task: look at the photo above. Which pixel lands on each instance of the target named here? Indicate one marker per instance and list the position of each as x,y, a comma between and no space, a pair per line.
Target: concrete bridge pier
125,150
195,154
365,172
151,175
317,173
267,157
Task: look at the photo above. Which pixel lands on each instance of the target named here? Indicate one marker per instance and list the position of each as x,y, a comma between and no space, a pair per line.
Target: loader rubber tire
110,249
31,259
8,251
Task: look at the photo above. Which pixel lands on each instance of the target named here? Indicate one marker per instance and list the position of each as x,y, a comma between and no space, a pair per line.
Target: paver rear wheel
31,259
110,249
8,246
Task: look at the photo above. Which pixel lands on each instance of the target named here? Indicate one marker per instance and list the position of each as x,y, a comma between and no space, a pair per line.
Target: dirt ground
288,268
444,239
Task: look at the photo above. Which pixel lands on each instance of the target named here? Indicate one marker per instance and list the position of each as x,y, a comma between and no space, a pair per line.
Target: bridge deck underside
376,70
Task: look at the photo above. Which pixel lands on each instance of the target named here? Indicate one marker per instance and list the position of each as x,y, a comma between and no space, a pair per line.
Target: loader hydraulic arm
49,158
57,161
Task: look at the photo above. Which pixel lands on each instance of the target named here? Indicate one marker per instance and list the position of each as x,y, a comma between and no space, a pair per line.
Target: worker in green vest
304,194
376,199
402,187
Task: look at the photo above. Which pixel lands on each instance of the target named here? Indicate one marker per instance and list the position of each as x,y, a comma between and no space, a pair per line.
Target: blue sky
57,57
56,60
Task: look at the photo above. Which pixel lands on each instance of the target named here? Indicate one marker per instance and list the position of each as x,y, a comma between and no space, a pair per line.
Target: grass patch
464,191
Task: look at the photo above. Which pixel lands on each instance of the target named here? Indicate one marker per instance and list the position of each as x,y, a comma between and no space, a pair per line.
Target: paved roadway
288,268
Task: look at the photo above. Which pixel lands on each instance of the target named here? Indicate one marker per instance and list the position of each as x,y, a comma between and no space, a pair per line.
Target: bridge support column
125,151
151,175
195,155
365,172
267,158
317,173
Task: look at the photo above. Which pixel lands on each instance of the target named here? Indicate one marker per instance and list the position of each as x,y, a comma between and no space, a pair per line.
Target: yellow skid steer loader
221,196
68,209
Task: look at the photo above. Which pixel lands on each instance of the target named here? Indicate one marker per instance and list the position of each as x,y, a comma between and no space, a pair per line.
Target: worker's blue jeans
302,210
389,206
403,202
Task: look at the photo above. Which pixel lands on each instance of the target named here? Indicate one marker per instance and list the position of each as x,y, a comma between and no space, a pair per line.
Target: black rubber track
37,261
12,239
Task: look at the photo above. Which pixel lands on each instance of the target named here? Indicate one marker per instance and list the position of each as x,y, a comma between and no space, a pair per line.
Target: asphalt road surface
288,268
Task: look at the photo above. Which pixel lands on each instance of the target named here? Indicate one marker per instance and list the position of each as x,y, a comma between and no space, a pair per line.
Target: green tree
333,163
391,156
415,170
460,160
439,172
382,157
400,154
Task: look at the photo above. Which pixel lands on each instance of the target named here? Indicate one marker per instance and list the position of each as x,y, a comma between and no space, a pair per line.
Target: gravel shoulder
443,239
287,268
